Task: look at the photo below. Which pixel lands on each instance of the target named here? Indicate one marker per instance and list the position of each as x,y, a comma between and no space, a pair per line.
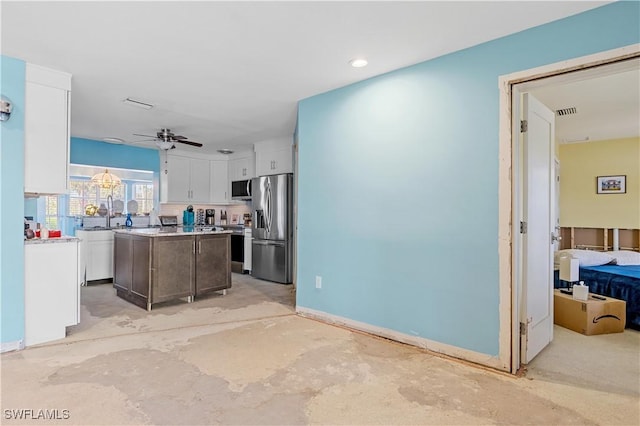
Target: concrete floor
246,358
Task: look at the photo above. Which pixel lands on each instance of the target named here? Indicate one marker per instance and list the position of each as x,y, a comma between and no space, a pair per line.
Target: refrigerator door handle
267,243
268,206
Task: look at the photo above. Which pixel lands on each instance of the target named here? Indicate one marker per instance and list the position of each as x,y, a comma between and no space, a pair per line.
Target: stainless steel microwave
241,190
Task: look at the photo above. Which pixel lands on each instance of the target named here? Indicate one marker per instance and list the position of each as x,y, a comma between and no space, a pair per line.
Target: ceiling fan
165,139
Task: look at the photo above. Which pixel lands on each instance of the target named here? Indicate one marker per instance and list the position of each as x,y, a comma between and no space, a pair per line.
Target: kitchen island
155,265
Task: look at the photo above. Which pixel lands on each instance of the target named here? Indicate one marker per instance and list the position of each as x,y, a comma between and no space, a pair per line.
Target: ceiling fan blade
146,136
143,140
198,144
179,137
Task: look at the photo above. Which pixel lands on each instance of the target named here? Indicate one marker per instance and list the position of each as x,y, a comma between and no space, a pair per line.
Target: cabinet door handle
194,246
199,247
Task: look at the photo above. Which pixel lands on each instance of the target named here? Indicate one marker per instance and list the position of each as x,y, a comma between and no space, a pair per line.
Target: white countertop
169,231
63,239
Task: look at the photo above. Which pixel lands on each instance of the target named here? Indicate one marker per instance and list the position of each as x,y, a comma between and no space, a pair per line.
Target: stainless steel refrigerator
272,228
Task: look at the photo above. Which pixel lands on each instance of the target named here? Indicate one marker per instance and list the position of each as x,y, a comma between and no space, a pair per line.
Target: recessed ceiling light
225,151
113,140
138,104
358,62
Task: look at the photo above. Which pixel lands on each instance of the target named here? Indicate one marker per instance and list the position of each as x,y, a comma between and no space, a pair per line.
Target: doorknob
555,237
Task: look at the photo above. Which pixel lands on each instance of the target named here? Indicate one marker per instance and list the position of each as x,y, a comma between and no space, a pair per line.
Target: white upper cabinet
185,180
241,168
200,181
46,130
274,157
219,182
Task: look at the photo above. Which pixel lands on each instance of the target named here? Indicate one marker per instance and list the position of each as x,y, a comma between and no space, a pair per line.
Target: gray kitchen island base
155,266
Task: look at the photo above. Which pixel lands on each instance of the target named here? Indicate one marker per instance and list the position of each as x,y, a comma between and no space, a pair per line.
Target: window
136,185
143,194
61,211
82,193
51,213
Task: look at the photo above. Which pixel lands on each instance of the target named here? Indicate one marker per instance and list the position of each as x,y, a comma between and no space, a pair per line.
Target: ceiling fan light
164,145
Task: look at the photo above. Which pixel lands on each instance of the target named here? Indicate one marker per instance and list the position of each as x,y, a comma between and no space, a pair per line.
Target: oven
237,247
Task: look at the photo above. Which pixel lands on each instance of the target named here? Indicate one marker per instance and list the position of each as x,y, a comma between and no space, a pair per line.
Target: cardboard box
591,316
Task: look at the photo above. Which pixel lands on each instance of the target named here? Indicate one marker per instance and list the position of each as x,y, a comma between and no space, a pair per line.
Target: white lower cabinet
51,290
97,254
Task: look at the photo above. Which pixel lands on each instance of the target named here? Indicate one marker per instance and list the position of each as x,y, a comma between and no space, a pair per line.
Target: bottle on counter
223,217
128,223
44,233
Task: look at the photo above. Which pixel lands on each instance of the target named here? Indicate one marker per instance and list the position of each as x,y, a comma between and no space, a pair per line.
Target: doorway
512,183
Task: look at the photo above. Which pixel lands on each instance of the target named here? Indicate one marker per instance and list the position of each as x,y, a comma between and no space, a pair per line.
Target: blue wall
12,84
96,153
398,184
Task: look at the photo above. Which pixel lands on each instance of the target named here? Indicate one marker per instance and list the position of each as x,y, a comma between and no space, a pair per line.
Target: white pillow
626,257
586,257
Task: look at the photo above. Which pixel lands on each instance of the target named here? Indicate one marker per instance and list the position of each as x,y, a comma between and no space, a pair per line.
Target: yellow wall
580,164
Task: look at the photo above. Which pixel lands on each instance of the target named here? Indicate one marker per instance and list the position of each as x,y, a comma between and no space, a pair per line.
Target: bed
620,282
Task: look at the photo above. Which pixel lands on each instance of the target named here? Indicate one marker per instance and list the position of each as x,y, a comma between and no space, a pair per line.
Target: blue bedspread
632,271
620,282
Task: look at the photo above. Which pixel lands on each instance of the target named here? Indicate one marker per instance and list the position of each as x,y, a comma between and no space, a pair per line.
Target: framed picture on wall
611,184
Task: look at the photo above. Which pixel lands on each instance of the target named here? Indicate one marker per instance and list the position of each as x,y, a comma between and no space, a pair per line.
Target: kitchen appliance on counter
210,217
247,220
241,190
200,217
168,220
272,229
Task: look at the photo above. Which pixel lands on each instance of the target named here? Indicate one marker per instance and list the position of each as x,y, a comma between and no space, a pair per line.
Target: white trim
508,193
430,345
47,77
16,345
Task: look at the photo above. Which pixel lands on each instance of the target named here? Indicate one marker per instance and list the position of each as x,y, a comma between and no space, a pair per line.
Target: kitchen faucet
109,209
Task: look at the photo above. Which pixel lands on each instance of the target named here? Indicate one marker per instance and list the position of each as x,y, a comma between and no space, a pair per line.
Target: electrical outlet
318,281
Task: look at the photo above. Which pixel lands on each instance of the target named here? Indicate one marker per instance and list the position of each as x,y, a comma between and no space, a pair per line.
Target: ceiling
606,101
229,74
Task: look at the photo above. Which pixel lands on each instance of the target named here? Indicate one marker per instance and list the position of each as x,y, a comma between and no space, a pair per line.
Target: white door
538,218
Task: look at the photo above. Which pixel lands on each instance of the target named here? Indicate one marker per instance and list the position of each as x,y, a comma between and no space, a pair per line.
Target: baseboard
17,345
420,342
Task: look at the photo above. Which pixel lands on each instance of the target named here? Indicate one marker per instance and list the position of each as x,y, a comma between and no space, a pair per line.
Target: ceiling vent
137,103
566,111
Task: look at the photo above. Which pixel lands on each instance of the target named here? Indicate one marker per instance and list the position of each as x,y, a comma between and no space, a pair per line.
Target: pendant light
106,180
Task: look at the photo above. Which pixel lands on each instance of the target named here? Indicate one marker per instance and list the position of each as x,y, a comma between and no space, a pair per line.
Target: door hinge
523,227
524,126
523,329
